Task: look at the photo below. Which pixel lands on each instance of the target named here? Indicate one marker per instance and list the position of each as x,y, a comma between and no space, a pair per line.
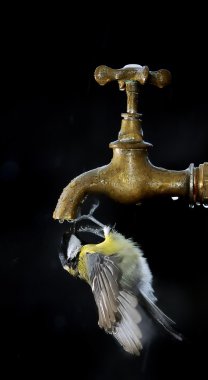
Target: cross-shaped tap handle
140,74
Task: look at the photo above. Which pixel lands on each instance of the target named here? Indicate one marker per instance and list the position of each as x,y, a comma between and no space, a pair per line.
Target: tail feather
159,316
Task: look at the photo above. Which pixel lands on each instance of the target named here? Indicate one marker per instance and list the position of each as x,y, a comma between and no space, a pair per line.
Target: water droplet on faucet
174,198
191,205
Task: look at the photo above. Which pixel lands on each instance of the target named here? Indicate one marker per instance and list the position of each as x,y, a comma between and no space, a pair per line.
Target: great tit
119,276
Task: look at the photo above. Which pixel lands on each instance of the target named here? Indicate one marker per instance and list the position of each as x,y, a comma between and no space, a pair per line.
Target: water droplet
191,205
174,198
61,220
205,205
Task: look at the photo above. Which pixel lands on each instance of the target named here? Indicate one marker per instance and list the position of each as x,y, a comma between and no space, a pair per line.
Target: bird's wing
117,307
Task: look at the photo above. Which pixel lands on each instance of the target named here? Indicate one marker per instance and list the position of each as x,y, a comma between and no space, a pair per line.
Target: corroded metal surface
141,74
130,177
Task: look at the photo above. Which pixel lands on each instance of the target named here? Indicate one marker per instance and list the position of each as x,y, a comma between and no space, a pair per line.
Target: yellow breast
108,247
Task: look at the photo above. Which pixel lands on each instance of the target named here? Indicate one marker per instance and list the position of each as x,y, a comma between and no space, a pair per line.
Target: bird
119,276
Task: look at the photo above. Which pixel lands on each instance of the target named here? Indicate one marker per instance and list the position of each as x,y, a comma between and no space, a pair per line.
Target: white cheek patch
74,247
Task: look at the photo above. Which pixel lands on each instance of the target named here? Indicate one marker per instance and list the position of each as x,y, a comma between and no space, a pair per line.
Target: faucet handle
141,74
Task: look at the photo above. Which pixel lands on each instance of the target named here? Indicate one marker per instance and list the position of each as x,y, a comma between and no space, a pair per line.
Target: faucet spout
129,178
76,191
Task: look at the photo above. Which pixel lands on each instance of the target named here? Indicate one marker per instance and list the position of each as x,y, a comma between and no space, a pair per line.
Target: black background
56,123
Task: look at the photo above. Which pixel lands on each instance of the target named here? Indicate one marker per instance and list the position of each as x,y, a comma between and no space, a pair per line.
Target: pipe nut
203,183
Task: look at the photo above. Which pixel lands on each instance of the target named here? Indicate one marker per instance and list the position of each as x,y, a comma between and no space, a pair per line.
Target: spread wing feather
117,307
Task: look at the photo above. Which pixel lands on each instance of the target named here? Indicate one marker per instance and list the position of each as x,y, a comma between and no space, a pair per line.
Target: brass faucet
130,177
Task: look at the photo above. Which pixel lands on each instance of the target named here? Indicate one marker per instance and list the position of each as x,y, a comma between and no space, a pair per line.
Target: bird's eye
72,263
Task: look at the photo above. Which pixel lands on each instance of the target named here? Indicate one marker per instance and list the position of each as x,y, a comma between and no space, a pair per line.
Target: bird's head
81,231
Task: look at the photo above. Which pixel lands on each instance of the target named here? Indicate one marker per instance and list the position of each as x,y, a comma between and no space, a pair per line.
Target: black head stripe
64,245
